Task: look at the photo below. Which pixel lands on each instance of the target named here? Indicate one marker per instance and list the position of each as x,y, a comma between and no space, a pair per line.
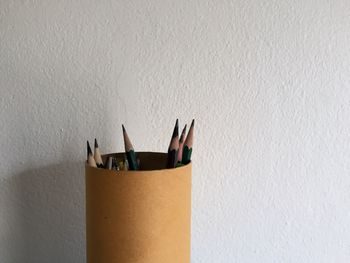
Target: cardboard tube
139,216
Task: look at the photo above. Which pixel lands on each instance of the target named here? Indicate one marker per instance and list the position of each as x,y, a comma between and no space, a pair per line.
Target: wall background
267,81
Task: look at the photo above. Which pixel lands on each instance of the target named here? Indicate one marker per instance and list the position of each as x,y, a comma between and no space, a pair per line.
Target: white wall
267,81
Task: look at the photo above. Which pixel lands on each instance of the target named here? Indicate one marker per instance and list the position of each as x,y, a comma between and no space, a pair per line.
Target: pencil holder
139,216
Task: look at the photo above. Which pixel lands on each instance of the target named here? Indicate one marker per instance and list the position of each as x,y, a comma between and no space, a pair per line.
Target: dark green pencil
187,150
129,151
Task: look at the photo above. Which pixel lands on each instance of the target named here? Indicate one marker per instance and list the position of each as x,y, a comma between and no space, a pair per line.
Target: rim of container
137,171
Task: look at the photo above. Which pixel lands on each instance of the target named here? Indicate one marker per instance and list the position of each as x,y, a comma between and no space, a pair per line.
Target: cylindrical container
139,216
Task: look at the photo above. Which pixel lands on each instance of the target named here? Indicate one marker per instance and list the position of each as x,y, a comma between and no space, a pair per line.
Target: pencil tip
183,134
88,148
176,129
184,130
192,123
96,145
123,128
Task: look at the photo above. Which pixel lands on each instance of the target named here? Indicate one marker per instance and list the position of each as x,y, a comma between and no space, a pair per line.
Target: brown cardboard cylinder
139,216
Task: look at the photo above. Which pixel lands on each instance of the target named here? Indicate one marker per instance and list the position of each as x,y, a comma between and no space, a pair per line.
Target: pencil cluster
112,163
179,152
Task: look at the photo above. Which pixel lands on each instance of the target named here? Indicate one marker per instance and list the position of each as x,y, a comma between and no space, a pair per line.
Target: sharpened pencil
129,151
97,155
173,147
90,157
187,148
181,144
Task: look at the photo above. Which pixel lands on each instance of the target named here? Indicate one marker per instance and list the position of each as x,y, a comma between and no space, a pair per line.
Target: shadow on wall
44,215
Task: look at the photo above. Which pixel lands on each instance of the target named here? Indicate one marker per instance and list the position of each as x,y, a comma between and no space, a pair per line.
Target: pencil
97,155
115,165
129,151
181,144
126,165
173,147
90,157
187,148
109,163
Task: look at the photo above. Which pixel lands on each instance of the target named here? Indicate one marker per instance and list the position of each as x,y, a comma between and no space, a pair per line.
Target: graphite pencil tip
173,147
189,137
96,144
127,142
89,152
176,129
183,133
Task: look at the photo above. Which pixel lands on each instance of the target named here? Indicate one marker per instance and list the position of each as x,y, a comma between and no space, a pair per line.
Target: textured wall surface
267,81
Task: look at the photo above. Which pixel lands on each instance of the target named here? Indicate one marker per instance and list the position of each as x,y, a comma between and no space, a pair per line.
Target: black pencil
173,147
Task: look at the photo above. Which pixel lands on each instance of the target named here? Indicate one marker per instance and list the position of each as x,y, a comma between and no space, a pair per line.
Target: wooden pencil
187,148
181,144
90,157
109,163
115,165
129,151
173,147
126,165
97,155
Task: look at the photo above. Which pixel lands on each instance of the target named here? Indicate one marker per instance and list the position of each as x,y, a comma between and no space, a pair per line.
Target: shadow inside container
47,206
